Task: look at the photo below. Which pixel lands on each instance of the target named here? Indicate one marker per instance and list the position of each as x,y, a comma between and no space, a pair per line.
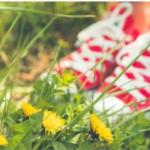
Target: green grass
130,131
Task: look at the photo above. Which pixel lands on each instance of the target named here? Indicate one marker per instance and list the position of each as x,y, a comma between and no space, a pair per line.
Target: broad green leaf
58,146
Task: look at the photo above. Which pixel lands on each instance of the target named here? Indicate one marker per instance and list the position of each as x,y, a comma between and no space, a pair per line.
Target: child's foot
101,43
132,90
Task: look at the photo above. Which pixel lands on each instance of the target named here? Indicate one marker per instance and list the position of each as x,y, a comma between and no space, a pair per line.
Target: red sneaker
96,44
132,90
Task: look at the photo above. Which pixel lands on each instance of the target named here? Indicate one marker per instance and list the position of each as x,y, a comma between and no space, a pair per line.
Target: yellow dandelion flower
100,128
67,77
3,140
29,110
52,122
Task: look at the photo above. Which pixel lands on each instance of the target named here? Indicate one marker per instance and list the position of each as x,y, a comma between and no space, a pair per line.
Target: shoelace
111,26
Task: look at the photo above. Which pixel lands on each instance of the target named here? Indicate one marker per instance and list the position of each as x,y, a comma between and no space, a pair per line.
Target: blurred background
62,33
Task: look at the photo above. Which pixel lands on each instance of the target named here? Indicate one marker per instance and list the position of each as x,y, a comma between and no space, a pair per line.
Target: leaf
58,146
22,138
87,146
117,143
71,146
21,141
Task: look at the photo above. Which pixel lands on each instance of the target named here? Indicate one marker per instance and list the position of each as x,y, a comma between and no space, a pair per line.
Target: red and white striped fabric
133,87
96,44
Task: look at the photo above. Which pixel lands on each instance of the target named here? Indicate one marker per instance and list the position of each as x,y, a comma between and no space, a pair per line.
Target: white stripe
111,104
79,64
102,42
126,84
86,52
